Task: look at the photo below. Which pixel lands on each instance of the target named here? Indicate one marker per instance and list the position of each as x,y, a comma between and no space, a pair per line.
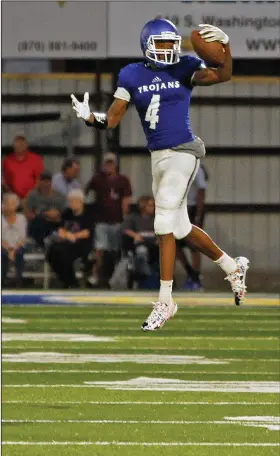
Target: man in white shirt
66,180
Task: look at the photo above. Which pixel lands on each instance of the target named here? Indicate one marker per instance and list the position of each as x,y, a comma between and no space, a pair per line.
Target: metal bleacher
239,122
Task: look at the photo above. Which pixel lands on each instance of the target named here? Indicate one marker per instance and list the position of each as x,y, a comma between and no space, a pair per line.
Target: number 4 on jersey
152,111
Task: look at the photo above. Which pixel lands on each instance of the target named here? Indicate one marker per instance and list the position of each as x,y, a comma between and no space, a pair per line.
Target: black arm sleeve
100,121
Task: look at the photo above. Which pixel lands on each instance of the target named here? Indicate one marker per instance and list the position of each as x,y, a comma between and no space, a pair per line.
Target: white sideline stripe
139,403
242,360
13,320
71,371
53,337
127,372
108,384
229,421
212,319
77,358
47,386
36,346
161,444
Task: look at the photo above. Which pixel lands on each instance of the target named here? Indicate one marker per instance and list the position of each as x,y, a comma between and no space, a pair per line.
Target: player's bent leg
183,227
200,240
172,171
234,268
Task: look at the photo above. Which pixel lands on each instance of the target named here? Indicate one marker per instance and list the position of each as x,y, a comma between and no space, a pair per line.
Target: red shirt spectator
22,168
112,192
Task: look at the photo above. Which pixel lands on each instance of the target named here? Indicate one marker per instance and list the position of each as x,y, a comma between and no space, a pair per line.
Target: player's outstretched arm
116,112
210,76
96,119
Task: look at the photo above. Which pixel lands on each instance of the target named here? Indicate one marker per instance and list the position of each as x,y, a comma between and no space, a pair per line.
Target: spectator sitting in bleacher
43,209
14,227
73,239
21,169
139,227
66,180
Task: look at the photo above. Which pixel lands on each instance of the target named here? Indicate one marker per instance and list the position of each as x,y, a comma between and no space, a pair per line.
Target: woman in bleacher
73,239
14,228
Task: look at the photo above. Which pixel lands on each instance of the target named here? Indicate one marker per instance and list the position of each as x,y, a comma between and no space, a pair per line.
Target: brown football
210,52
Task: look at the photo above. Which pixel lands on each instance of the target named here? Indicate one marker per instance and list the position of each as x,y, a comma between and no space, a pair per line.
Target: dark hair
143,201
68,163
46,175
20,137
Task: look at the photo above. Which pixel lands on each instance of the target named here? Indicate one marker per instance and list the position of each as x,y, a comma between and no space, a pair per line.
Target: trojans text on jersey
156,86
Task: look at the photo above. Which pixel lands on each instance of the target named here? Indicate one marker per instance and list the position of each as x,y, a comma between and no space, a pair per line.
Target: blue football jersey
162,99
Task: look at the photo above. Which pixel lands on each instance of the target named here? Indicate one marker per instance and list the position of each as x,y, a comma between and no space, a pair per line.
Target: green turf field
84,380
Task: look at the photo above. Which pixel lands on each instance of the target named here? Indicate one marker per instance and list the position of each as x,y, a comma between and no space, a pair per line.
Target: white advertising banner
253,28
57,29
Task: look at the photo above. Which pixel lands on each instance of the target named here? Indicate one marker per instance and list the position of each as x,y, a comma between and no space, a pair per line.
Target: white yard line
86,385
48,386
8,320
146,444
82,371
28,345
242,360
164,384
140,403
177,422
72,371
158,338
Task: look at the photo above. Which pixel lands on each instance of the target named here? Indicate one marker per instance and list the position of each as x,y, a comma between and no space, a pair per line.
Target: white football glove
81,108
210,33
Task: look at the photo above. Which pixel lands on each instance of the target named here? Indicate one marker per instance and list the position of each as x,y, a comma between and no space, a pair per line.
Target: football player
160,87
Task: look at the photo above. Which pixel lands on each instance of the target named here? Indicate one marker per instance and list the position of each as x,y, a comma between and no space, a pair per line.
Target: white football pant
173,173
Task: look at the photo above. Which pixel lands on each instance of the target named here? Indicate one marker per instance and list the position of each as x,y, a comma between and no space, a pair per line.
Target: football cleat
237,279
159,315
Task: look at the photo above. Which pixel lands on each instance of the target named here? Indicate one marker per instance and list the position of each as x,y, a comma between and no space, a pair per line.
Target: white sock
165,292
227,263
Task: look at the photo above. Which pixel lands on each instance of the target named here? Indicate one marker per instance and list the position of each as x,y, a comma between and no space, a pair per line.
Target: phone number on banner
56,46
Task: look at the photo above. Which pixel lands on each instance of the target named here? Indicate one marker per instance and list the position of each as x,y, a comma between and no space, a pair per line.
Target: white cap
110,156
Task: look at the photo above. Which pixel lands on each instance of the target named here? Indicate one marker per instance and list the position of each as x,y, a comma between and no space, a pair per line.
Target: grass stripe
196,338
125,338
193,319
